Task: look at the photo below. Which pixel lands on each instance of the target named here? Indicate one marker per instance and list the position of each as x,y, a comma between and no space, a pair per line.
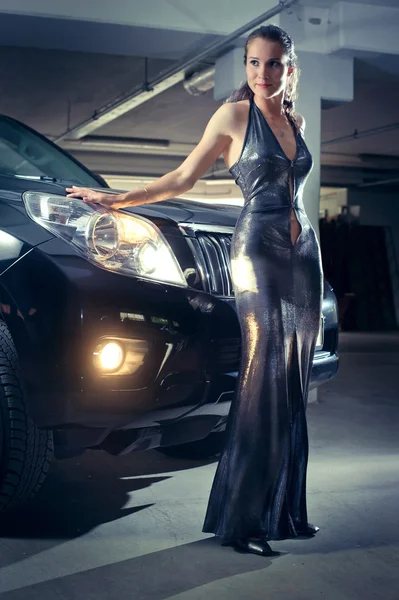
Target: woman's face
267,68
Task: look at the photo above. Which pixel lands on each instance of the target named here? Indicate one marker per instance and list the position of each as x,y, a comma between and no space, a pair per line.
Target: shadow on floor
79,495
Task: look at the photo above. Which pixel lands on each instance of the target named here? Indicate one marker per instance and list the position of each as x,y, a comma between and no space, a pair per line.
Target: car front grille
211,251
211,247
213,259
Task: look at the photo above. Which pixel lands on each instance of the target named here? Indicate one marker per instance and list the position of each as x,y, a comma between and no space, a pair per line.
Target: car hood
167,212
180,210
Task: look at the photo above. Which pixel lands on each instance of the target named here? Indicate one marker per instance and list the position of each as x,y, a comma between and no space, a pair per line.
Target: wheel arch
12,316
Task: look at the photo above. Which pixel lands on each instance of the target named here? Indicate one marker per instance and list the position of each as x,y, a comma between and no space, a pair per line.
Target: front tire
25,451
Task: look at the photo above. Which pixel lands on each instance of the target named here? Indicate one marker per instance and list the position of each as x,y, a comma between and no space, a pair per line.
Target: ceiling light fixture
97,141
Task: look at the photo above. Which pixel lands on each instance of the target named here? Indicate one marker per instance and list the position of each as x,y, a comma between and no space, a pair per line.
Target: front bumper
325,366
61,306
170,428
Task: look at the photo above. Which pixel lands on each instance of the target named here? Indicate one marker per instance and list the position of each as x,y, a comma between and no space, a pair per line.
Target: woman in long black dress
259,490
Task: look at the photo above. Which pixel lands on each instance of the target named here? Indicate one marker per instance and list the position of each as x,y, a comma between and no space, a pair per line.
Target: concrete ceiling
327,3
51,90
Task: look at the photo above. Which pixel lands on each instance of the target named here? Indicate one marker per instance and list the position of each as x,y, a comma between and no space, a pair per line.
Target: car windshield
24,153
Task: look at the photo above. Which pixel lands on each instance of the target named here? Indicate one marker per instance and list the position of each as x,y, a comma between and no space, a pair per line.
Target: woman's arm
215,139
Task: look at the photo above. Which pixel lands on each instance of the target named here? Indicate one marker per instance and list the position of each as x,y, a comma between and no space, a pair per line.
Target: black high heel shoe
309,530
254,547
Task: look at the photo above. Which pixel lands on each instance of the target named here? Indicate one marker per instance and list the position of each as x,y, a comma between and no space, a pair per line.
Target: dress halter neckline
291,160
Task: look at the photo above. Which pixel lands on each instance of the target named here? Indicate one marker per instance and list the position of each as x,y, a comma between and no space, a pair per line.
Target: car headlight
116,241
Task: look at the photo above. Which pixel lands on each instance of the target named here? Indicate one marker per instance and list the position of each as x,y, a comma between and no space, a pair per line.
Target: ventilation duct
200,82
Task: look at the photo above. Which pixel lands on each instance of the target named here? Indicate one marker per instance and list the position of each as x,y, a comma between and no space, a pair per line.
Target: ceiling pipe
132,146
357,135
164,81
200,82
379,182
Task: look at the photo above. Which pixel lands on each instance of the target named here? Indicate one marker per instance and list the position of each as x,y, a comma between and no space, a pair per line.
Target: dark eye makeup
272,62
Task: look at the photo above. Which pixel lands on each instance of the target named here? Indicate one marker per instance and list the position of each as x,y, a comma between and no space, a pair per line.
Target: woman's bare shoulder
231,114
237,108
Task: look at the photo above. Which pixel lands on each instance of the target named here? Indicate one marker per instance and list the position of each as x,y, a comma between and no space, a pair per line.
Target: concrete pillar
229,73
323,77
309,105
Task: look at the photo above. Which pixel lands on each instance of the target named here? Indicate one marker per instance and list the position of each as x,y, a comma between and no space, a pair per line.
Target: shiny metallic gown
260,485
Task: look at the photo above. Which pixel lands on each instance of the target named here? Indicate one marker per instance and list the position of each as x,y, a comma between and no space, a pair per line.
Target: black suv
118,330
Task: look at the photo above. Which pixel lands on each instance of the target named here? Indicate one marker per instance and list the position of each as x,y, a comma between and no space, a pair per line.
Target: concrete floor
130,527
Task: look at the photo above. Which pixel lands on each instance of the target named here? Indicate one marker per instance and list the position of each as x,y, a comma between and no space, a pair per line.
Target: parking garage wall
381,208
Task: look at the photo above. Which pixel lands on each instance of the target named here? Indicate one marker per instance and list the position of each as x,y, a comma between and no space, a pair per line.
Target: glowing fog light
109,356
117,357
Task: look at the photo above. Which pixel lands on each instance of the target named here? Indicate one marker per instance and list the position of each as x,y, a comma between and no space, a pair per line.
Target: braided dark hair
273,33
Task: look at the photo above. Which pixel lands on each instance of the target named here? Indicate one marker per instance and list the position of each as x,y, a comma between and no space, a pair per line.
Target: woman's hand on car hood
113,201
